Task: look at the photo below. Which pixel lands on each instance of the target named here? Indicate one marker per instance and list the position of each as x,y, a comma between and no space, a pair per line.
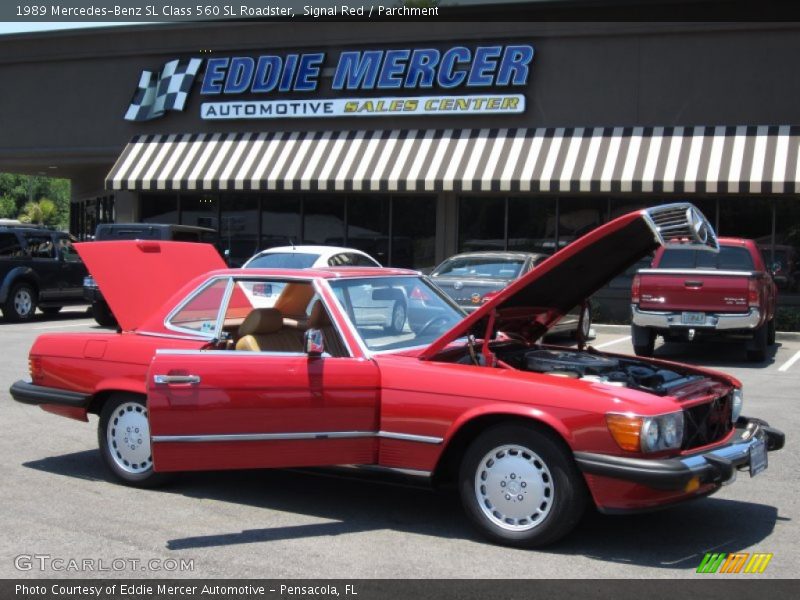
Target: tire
644,340
398,318
771,332
123,435
51,310
520,487
21,303
756,348
586,325
103,315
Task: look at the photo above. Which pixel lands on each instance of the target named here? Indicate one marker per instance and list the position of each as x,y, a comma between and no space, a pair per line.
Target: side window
340,260
67,251
10,246
199,314
362,261
39,246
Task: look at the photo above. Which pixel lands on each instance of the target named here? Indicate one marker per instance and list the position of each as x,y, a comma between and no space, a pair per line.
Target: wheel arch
464,432
110,388
18,275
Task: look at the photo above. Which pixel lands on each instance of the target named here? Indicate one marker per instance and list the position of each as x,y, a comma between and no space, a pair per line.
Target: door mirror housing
314,345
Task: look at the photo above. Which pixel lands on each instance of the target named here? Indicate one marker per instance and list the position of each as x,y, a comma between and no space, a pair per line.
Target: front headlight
738,402
647,434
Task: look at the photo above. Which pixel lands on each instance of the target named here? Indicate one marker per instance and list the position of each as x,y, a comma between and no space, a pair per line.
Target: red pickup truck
687,295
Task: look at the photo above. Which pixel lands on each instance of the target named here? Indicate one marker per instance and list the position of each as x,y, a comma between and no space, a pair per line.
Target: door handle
690,283
167,379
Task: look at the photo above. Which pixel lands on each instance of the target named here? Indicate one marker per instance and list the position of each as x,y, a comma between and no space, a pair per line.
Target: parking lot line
785,366
612,342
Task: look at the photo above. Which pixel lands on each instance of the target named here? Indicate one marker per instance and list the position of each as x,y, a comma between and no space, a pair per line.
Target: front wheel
21,303
103,315
520,487
123,435
644,340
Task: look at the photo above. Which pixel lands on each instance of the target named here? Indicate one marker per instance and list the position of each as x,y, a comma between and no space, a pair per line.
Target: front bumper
28,393
714,466
713,321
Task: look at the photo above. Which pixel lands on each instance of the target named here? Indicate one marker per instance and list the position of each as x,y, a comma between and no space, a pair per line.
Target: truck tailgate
694,290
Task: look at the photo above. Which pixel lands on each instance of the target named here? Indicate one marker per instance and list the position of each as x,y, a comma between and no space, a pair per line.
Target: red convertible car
210,371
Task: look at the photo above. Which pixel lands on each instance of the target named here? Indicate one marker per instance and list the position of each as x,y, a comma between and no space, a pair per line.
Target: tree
8,207
43,212
16,191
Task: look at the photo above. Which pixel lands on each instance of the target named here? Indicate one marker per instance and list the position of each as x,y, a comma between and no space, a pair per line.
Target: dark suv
137,231
38,267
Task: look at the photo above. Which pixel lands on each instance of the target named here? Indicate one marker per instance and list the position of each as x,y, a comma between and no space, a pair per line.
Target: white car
391,304
306,257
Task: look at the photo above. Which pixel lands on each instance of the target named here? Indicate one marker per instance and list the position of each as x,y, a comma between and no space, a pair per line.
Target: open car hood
136,277
530,305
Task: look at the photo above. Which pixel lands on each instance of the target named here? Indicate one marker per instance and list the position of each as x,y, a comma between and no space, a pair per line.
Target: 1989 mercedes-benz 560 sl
232,369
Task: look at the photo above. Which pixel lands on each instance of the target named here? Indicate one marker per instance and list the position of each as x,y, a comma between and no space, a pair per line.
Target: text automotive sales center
411,140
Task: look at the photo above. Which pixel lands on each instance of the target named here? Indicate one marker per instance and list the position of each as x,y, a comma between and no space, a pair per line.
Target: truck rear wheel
757,347
644,340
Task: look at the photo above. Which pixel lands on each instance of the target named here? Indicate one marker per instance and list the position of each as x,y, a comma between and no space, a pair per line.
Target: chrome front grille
707,423
682,225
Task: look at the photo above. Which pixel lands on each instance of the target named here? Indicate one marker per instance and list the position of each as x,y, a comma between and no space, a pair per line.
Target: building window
201,210
239,227
368,225
280,220
481,223
158,208
323,219
413,232
532,224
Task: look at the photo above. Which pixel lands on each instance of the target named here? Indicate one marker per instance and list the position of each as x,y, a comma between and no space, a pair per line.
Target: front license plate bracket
758,458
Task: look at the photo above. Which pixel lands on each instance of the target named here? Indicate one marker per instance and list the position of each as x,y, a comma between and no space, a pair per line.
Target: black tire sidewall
10,313
148,478
569,490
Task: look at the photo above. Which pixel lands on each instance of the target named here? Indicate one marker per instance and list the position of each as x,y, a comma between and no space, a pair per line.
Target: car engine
592,367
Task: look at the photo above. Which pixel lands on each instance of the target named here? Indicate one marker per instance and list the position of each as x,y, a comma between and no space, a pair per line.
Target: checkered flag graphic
162,91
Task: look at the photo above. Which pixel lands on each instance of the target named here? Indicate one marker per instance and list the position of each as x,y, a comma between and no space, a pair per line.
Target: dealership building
412,140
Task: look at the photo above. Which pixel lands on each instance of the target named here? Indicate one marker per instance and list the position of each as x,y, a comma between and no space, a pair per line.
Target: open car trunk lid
537,300
136,277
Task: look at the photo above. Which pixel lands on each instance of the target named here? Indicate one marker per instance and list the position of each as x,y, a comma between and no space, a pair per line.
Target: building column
446,226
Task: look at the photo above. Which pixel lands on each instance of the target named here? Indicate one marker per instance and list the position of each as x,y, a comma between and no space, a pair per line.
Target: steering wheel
431,322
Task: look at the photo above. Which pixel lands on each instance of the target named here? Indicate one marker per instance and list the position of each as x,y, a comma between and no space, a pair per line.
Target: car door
71,269
231,409
40,255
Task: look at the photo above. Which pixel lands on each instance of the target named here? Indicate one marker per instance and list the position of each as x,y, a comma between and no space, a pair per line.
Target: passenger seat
263,331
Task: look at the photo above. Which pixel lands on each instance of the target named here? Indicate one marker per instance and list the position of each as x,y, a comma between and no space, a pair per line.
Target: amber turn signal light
625,429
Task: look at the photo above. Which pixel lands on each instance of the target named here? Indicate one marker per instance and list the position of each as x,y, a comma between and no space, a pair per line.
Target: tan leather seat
263,331
332,342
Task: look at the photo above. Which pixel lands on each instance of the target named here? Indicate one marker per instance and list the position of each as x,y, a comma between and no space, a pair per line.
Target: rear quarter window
10,246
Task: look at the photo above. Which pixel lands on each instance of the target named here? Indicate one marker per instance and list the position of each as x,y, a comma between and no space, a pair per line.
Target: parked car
200,379
137,231
38,268
690,294
784,265
472,278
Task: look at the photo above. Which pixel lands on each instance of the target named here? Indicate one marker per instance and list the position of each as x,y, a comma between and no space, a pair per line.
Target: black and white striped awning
733,160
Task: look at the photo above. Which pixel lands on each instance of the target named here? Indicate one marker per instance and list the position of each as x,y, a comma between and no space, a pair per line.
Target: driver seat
263,331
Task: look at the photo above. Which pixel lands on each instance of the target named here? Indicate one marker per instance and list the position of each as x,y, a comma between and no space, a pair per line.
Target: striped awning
721,160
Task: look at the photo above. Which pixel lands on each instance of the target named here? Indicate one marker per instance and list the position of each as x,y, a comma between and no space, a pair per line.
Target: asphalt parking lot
58,501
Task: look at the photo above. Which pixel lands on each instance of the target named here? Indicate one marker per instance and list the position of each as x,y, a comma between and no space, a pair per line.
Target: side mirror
314,345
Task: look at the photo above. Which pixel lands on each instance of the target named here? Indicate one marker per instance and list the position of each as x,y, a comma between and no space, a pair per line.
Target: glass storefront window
368,225
323,219
280,220
577,216
532,224
413,232
239,227
481,223
158,208
200,210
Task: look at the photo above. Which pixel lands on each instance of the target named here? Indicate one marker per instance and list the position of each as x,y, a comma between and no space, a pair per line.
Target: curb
783,336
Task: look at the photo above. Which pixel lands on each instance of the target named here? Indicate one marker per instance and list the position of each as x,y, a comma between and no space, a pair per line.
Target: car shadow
69,314
355,503
714,354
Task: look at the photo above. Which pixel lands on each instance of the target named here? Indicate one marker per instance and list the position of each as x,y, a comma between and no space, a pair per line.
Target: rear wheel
21,303
520,487
398,318
757,347
586,324
644,340
123,435
771,332
103,315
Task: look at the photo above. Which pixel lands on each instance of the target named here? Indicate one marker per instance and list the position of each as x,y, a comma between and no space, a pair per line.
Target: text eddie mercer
125,589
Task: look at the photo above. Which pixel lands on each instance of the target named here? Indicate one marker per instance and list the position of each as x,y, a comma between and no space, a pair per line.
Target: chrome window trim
201,288
223,308
173,336
192,352
311,435
343,312
317,283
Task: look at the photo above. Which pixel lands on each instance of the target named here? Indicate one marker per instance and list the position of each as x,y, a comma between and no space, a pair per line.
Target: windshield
283,260
729,258
480,267
393,313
